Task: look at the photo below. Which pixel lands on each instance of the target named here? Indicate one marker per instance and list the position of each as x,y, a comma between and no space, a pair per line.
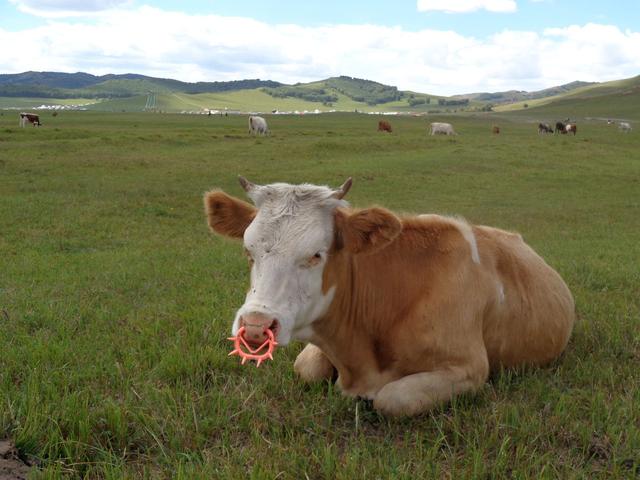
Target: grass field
115,300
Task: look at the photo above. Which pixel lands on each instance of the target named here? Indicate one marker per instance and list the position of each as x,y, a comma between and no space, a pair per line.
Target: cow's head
291,234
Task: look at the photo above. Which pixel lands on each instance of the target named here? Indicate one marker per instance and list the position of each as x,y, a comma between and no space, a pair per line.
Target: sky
442,47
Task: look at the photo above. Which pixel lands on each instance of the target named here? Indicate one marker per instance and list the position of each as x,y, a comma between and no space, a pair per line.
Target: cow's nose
256,326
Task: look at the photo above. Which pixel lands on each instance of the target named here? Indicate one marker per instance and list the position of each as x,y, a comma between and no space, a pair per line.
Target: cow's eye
315,259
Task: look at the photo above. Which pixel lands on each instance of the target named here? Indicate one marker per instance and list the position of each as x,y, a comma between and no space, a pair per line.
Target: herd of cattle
258,126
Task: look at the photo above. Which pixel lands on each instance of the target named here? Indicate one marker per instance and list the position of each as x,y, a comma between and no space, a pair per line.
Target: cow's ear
227,215
366,231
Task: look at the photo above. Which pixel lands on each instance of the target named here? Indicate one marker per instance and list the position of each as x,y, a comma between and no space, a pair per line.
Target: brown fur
227,215
421,304
384,126
495,129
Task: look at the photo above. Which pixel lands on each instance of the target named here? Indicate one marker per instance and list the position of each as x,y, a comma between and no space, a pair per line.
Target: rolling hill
133,92
619,99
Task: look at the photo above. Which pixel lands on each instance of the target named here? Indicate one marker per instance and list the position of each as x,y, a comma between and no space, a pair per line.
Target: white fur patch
465,230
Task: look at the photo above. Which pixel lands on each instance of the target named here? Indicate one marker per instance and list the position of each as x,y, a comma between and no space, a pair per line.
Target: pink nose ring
268,345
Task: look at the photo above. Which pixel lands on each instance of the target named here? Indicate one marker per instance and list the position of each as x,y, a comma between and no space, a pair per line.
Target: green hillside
139,93
618,99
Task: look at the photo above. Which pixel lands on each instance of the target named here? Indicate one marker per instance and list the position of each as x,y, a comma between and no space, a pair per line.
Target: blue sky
435,46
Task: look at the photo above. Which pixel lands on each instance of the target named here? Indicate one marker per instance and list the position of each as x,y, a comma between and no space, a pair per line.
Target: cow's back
530,316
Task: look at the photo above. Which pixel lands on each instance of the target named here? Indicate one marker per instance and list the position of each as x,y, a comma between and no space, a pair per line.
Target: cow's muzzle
255,328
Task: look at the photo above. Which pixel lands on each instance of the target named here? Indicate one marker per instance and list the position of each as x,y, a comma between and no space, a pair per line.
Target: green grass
115,300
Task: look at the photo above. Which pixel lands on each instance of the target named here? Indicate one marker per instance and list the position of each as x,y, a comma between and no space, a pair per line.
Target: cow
495,130
258,126
544,128
384,126
571,128
625,127
410,310
32,118
560,128
439,128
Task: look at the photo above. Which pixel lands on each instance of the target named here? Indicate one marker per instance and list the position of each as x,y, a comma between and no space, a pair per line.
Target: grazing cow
384,126
439,128
410,310
496,129
560,128
257,126
625,127
31,118
571,127
544,128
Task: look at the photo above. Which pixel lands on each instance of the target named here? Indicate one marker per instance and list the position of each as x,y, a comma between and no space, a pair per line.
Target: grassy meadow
116,301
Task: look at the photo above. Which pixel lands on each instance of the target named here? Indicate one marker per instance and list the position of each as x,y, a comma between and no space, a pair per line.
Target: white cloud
208,48
466,6
67,8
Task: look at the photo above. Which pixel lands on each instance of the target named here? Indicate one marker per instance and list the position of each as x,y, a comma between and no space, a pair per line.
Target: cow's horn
246,184
342,191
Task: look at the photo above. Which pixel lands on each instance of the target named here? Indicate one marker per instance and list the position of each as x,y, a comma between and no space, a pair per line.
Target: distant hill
512,96
134,92
85,85
619,99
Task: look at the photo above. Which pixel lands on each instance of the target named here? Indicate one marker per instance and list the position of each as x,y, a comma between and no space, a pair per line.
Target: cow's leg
420,392
312,365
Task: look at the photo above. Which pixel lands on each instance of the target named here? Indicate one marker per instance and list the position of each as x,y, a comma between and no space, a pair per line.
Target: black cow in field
561,128
544,128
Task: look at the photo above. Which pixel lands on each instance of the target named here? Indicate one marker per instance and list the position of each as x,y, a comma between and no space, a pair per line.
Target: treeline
453,103
39,91
365,91
85,85
319,95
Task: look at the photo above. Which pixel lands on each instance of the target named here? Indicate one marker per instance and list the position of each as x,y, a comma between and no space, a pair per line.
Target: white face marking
289,241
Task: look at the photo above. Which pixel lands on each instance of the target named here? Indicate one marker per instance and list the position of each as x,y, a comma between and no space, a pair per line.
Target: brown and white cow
410,310
31,118
571,128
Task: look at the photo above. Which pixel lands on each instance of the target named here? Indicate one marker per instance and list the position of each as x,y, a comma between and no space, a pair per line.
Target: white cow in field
625,127
438,128
258,126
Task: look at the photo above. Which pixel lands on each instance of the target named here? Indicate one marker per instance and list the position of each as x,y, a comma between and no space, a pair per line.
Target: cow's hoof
312,365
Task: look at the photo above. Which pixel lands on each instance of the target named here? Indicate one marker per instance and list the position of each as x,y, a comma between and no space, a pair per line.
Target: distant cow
257,126
438,128
544,128
560,128
31,118
496,129
384,126
571,128
625,127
